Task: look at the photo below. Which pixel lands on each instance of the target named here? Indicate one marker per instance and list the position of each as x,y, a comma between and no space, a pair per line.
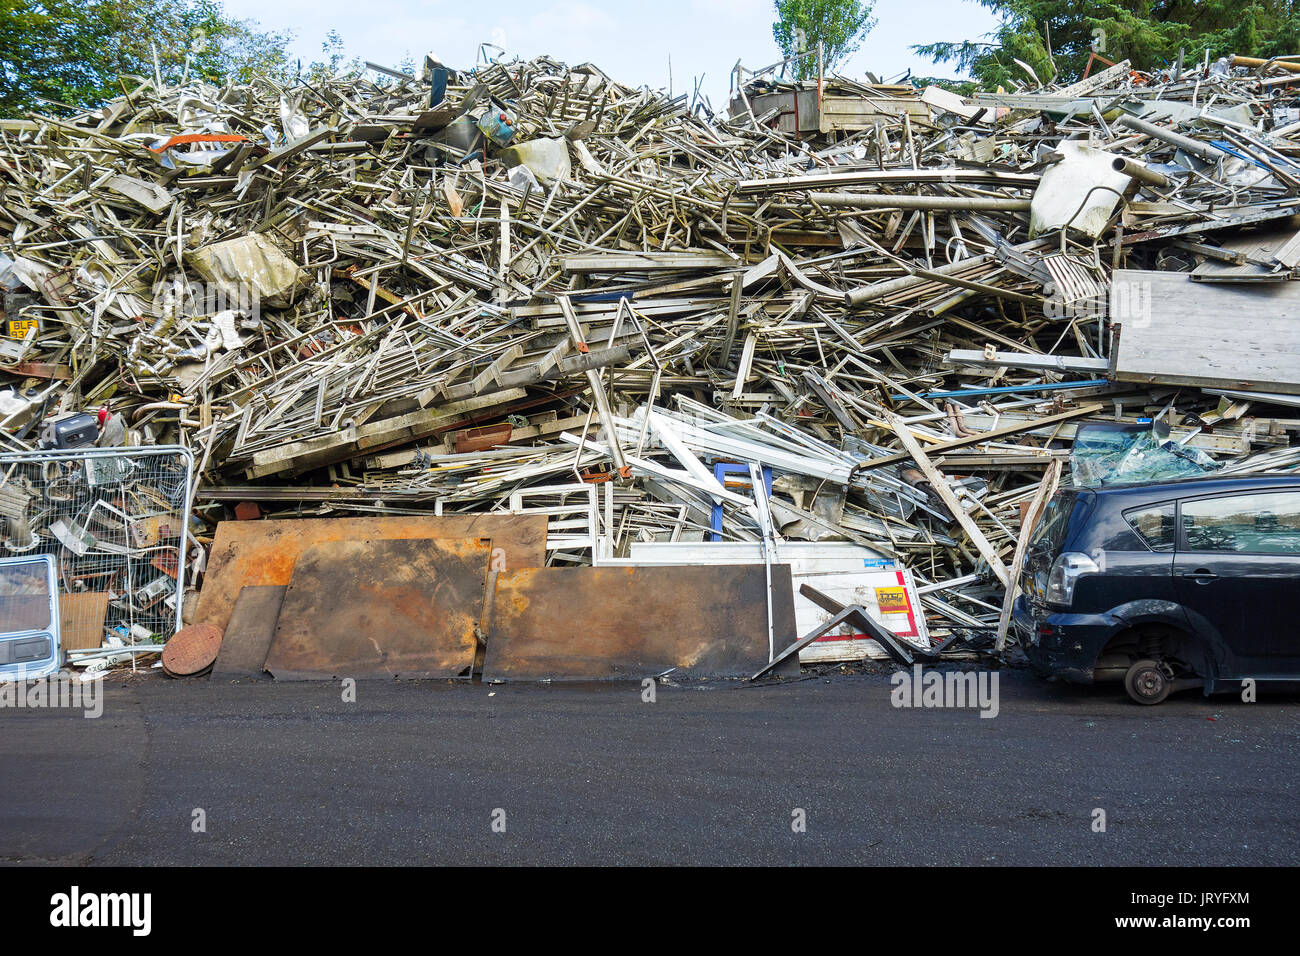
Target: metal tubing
885,201
1141,172
1211,154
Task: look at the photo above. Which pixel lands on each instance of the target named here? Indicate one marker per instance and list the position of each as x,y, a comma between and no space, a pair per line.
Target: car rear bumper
1060,644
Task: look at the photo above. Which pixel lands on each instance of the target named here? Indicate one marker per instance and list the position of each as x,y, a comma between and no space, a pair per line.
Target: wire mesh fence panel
114,521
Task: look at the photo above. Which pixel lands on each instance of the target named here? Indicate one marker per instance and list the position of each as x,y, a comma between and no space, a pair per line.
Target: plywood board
605,623
249,553
81,620
1174,331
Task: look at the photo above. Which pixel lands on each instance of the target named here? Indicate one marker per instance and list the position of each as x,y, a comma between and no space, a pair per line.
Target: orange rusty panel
258,553
408,608
631,623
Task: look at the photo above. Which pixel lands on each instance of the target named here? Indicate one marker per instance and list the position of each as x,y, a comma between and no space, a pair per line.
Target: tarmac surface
708,773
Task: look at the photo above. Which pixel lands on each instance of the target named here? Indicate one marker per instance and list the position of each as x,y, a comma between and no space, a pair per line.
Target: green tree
839,25
1056,38
335,63
73,51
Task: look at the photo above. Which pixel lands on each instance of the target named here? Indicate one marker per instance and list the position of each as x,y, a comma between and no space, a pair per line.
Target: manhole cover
192,651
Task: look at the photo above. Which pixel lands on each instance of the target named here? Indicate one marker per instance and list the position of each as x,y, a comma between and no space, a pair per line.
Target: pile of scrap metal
856,329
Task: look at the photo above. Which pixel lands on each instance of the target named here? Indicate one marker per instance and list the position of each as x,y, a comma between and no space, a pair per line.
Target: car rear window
1050,532
1154,524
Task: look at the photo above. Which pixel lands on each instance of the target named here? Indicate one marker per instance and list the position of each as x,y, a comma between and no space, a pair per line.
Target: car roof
1187,487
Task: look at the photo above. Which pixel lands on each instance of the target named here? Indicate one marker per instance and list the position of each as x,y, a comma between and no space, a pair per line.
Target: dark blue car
1192,583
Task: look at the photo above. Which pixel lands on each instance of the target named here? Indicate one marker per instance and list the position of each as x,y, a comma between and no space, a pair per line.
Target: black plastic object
73,430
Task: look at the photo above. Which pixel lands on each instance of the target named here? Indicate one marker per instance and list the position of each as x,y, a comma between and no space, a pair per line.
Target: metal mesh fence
114,520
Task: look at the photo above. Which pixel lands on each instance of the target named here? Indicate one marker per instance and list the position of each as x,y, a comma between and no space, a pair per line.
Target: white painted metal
849,573
572,525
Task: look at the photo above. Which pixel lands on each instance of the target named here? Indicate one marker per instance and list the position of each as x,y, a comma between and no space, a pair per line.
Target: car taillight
1066,571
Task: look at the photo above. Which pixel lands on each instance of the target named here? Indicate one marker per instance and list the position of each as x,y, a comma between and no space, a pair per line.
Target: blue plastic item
497,126
720,471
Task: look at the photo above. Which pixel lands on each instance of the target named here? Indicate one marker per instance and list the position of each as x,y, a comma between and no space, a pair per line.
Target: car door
29,618
1238,567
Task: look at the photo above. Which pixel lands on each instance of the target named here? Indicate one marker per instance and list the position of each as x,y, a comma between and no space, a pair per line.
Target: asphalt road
411,773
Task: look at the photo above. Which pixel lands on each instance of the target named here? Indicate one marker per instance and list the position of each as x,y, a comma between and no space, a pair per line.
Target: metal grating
114,521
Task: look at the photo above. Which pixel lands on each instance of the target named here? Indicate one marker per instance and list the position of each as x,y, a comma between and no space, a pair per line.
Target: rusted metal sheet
606,623
247,639
247,553
407,608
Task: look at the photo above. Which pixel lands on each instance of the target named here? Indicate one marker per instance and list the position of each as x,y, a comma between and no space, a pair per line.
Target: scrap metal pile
868,314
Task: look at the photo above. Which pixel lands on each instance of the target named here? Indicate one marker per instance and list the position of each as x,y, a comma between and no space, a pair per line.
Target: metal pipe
157,406
878,290
1212,252
1211,154
884,201
1257,62
979,287
1009,389
1141,172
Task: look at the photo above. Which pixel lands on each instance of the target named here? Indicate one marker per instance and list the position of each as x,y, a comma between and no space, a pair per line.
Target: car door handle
1201,575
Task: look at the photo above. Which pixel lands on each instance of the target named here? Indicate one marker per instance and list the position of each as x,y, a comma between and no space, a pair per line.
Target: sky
631,41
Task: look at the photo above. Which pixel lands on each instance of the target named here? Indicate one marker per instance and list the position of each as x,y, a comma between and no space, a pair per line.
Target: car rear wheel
1148,682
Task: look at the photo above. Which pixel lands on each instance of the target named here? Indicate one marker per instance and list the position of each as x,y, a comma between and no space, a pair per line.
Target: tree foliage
839,25
73,51
1056,37
335,63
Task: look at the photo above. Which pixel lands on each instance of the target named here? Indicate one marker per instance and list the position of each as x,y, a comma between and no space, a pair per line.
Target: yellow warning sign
892,600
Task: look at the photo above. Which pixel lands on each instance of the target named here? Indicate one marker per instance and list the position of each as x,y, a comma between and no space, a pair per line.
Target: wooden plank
979,439
81,620
940,485
1174,331
1045,489
308,453
863,112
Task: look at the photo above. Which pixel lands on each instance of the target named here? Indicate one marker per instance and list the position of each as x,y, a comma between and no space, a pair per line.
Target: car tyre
1148,682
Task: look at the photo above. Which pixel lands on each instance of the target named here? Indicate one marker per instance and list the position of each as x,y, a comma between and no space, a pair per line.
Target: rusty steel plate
407,608
248,553
191,650
631,623
247,639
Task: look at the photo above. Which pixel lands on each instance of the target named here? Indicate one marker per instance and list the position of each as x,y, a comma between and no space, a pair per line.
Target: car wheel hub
1150,683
